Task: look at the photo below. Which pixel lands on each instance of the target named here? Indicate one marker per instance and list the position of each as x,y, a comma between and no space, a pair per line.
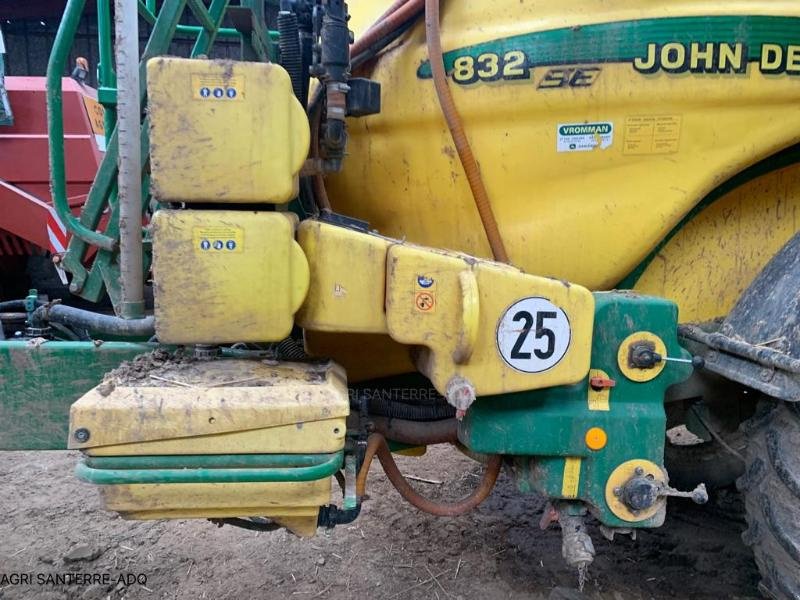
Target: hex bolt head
81,435
618,491
639,471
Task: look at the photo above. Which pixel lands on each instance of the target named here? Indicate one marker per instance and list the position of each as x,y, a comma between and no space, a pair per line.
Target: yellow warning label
424,302
598,399
656,134
218,239
210,88
572,477
96,114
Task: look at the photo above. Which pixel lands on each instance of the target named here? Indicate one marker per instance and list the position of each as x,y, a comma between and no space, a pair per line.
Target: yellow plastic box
224,131
226,276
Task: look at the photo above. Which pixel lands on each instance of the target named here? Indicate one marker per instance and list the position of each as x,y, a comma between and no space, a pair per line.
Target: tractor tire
771,488
708,462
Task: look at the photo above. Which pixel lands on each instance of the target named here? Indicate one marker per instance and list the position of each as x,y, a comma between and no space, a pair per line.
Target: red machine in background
29,225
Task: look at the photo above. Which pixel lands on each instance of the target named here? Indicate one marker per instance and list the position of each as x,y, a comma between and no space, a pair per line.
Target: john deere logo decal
572,57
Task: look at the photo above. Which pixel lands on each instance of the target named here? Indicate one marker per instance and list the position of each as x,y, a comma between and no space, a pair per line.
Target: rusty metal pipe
377,445
420,433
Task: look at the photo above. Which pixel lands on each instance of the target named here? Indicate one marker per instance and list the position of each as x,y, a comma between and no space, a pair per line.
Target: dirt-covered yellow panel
491,324
712,259
225,406
597,125
295,504
348,277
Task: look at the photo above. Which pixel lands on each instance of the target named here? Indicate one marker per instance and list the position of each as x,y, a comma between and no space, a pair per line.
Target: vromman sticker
583,137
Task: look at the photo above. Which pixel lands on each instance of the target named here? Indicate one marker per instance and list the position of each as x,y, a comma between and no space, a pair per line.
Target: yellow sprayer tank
598,126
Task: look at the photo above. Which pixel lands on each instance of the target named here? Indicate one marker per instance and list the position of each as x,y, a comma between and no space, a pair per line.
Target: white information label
533,335
583,137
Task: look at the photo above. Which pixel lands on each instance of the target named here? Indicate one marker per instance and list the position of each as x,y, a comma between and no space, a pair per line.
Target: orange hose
453,119
376,445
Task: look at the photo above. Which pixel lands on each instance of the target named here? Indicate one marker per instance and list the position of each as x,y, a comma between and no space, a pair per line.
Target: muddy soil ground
50,522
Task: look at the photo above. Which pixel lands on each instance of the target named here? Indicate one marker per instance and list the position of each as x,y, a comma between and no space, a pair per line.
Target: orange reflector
596,438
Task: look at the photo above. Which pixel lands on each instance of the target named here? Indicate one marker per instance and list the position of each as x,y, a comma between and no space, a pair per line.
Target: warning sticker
209,87
583,137
656,134
96,114
572,477
424,302
217,239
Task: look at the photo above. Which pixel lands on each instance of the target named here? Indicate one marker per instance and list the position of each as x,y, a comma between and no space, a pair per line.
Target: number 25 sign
533,335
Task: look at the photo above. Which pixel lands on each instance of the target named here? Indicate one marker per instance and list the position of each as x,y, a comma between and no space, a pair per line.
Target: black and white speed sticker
533,335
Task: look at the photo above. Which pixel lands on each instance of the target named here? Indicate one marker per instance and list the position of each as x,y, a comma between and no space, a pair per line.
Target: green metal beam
55,126
38,383
199,10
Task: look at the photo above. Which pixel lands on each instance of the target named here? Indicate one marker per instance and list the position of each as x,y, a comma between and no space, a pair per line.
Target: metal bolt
81,435
765,374
639,471
618,491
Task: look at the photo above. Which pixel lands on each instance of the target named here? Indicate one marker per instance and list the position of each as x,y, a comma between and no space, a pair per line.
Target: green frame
259,468
93,282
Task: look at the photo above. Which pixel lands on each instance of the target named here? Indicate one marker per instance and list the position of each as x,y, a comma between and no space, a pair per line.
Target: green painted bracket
103,275
39,383
104,476
541,428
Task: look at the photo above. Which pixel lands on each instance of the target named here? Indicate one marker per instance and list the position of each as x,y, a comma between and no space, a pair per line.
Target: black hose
253,524
372,51
289,349
291,54
384,405
9,305
94,322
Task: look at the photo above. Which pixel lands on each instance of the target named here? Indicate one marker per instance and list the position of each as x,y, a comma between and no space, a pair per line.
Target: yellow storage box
224,131
160,413
226,276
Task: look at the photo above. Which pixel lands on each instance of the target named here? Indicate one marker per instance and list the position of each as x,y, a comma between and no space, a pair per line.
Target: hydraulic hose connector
335,41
